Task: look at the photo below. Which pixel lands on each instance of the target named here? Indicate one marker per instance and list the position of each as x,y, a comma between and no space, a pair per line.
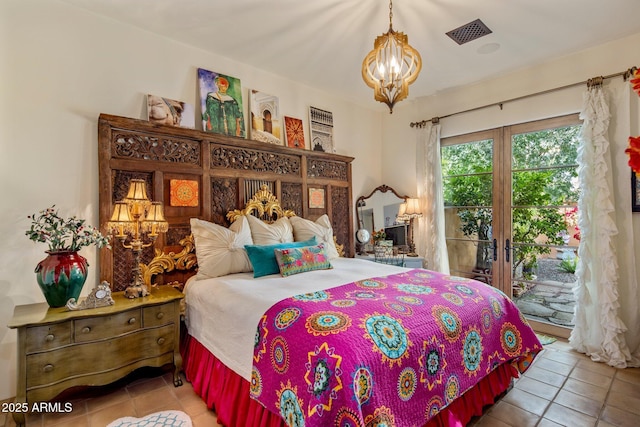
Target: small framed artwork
170,112
294,131
316,198
183,192
221,103
321,124
265,118
635,193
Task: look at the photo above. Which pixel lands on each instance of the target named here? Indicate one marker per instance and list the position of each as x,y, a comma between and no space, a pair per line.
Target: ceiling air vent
468,32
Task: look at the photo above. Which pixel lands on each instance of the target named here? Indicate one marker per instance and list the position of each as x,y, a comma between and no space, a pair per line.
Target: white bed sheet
223,313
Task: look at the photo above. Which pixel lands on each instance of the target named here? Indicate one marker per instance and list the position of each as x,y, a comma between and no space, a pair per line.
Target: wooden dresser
59,349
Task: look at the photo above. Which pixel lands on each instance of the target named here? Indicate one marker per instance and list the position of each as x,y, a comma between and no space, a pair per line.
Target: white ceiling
322,43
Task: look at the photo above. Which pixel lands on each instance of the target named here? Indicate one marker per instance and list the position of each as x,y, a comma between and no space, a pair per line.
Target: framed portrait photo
221,103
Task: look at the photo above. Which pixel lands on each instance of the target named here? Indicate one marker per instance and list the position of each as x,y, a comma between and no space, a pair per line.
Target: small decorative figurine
100,296
136,291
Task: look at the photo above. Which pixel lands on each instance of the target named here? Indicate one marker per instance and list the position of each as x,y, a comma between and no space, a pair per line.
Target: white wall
60,67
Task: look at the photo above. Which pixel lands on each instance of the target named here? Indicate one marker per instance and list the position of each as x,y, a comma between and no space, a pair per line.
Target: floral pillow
298,260
304,229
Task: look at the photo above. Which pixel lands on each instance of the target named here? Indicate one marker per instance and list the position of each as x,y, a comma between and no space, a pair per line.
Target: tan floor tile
536,387
605,424
561,345
600,368
585,389
568,417
154,400
630,375
625,402
632,389
568,358
545,376
205,419
553,366
513,415
619,418
56,418
193,405
96,403
69,421
142,387
527,401
591,377
579,403
170,405
548,423
104,416
489,421
34,419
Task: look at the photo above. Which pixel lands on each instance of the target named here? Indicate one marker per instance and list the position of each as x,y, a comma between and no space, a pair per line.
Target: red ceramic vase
61,276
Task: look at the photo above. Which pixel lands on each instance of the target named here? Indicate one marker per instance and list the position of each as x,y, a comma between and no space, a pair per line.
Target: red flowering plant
571,218
634,141
634,153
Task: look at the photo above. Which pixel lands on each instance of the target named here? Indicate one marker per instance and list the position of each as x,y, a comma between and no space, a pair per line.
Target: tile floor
562,388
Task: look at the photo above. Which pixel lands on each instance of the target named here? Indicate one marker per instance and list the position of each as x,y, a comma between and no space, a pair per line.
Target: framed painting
265,118
316,198
183,192
294,132
221,102
321,124
635,193
170,112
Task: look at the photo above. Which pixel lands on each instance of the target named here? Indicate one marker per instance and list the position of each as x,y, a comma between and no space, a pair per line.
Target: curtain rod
596,81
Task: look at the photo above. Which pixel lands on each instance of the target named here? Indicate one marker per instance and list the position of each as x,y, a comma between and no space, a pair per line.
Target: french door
510,214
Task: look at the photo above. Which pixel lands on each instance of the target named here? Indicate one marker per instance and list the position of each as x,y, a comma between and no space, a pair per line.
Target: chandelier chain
390,13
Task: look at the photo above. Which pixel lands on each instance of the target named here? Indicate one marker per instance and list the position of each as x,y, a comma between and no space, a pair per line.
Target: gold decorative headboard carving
266,206
161,263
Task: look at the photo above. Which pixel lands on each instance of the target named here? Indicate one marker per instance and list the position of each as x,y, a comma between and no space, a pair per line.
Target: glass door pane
542,235
468,183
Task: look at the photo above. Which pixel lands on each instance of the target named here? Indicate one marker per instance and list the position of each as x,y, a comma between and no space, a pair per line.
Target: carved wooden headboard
227,172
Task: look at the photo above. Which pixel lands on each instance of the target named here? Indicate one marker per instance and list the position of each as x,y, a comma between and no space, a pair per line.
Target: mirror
379,210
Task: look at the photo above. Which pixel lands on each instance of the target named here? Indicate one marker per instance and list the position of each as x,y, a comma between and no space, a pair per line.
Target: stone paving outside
551,299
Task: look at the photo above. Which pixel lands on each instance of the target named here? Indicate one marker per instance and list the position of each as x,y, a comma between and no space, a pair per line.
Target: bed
324,339
354,343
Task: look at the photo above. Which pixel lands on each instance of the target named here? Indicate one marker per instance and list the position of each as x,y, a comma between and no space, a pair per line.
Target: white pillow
269,234
220,250
303,229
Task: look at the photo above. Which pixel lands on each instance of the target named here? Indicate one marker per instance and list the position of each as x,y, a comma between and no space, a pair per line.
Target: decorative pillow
263,258
298,260
219,250
303,229
269,234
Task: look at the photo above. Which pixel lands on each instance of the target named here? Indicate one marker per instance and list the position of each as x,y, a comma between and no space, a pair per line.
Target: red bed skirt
228,393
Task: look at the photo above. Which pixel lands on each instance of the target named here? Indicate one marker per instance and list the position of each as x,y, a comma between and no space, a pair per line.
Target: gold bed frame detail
266,206
162,263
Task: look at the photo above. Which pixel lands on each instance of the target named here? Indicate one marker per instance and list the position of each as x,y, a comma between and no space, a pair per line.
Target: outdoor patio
551,299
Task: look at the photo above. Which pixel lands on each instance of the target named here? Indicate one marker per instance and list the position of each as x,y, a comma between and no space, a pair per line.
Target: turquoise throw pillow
301,259
263,257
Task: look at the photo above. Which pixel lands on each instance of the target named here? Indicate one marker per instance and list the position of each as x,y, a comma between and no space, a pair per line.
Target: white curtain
603,284
430,235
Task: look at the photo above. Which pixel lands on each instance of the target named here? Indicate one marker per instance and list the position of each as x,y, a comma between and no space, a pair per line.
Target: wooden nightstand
58,349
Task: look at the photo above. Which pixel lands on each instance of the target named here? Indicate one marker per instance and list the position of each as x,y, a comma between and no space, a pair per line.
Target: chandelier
391,66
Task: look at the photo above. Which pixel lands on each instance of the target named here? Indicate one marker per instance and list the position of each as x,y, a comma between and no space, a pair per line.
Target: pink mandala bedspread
389,351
